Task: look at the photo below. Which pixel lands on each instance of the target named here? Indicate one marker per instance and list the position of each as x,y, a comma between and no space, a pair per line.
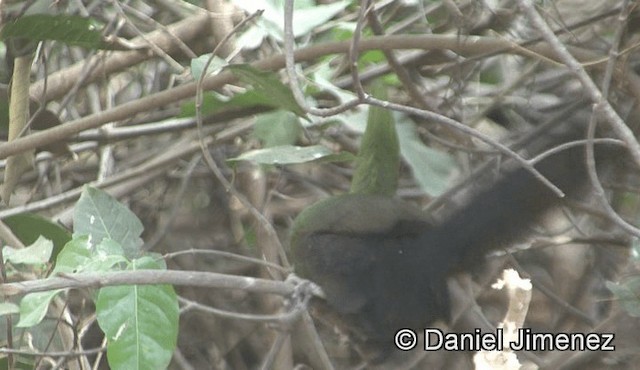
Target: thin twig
290,67
149,277
471,45
229,255
435,117
604,107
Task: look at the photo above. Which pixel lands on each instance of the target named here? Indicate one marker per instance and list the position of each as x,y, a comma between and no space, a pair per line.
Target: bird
383,264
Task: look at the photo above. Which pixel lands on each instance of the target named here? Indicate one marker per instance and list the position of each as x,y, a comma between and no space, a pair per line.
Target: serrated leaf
140,322
268,87
28,227
101,216
34,306
277,128
432,169
285,154
628,294
70,29
35,254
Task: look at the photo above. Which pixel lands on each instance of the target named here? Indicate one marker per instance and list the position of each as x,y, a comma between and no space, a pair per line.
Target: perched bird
383,264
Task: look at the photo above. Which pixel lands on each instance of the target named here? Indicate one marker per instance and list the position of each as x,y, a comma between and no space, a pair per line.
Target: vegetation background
216,165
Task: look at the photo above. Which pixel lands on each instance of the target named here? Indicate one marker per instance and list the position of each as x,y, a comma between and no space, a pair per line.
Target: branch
149,277
472,45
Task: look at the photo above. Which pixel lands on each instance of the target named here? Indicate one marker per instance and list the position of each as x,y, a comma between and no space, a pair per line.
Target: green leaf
29,226
70,29
197,65
101,216
79,255
371,57
268,87
37,253
628,293
285,154
432,169
34,306
211,103
106,255
277,128
378,159
140,323
74,256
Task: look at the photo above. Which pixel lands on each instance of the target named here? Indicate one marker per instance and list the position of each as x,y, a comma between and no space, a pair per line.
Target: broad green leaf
157,259
285,154
37,253
107,254
29,226
34,306
277,128
79,255
268,86
140,323
432,169
74,256
70,29
378,160
197,65
101,216
628,294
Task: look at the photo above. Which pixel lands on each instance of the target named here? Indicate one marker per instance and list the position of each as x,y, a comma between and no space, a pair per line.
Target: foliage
70,29
140,322
114,85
